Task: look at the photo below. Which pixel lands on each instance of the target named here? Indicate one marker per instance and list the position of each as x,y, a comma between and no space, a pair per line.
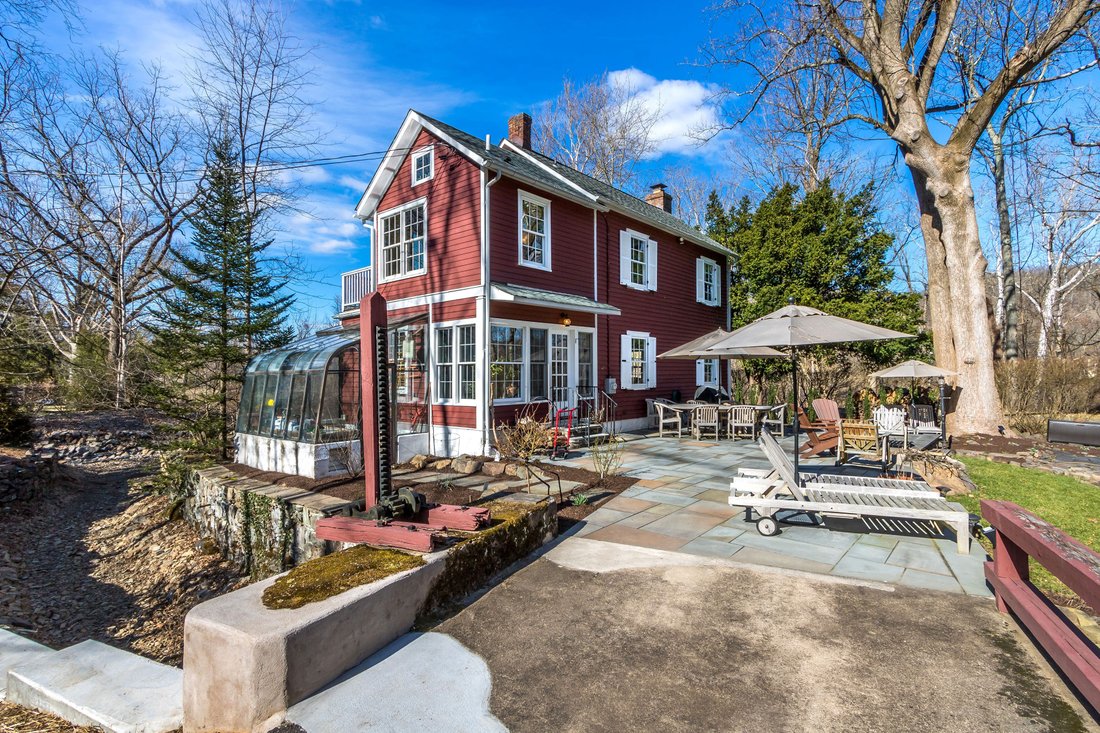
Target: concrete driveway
596,636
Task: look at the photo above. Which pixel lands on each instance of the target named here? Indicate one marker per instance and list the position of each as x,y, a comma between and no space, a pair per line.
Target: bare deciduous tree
1065,231
890,53
95,184
600,127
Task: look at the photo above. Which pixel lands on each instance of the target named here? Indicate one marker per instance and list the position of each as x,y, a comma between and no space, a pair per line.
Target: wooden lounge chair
890,504
819,438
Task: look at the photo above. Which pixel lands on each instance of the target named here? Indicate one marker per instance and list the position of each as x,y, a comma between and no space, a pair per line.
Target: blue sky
472,66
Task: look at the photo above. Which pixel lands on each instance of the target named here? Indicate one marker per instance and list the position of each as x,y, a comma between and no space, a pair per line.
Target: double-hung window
455,363
423,165
706,372
506,362
637,261
638,354
404,233
707,281
534,231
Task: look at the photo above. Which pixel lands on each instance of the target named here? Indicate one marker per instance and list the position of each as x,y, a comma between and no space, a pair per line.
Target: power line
263,168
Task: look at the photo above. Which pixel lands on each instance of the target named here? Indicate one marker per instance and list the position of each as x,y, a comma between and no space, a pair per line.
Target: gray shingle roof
520,165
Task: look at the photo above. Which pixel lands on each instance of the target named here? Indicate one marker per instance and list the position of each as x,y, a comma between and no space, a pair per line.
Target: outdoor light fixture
566,320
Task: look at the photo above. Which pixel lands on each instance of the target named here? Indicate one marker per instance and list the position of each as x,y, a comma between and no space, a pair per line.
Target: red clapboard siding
455,416
570,242
670,314
454,222
454,310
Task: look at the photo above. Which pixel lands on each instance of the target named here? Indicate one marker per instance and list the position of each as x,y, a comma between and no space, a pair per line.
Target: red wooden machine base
420,536
450,516
402,536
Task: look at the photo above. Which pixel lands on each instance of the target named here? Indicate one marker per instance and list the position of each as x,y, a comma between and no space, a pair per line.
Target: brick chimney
519,130
659,197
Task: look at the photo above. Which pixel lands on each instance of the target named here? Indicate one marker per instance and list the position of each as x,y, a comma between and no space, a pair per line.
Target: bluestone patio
680,504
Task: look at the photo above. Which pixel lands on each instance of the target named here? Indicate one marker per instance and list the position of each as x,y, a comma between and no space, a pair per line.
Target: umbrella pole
794,412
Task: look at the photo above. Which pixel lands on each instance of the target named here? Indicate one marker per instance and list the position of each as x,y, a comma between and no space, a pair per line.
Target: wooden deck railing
1021,535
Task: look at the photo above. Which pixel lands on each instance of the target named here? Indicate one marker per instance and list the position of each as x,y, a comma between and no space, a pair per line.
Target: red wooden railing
1021,535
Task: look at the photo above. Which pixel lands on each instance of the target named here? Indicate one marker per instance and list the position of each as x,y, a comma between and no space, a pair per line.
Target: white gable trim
399,149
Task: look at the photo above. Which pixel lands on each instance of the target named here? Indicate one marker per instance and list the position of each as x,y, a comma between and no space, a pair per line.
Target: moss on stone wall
517,530
333,574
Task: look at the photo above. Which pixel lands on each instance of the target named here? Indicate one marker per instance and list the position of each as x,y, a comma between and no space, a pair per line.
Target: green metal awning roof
524,295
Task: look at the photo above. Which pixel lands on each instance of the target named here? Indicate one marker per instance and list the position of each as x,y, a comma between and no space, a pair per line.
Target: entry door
561,381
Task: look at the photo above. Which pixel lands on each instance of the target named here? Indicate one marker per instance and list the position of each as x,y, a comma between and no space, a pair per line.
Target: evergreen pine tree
226,307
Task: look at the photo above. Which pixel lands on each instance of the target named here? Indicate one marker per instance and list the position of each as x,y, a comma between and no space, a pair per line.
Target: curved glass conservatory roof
307,391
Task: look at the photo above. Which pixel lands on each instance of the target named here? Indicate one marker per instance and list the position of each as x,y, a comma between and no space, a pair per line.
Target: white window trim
545,203
376,255
701,373
525,372
626,361
650,283
455,381
700,291
430,150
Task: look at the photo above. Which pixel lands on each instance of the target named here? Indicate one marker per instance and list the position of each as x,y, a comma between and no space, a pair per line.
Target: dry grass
333,574
18,719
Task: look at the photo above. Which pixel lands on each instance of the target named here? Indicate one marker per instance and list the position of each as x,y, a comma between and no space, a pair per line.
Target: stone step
94,684
14,651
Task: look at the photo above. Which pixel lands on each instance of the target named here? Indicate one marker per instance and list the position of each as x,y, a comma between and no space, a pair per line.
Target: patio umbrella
914,369
793,326
697,349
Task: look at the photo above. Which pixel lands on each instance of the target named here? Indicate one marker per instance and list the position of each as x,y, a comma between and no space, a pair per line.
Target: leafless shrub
606,450
1036,390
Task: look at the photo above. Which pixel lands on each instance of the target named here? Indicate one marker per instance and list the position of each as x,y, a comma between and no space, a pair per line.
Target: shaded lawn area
1066,502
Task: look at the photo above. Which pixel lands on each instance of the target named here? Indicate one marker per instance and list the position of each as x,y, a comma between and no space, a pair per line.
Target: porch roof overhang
523,295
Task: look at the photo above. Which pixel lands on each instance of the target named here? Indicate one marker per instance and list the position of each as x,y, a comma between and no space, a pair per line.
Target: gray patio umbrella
697,349
795,325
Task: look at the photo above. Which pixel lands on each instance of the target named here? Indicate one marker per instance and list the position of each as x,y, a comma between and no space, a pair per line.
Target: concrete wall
245,664
261,527
298,459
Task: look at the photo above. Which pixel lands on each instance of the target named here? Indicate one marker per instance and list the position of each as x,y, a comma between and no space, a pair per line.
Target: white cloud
682,107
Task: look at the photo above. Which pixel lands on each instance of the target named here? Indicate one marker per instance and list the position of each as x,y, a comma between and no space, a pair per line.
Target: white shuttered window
638,355
707,281
637,261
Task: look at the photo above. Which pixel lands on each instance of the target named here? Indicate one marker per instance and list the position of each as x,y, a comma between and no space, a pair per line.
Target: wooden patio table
761,410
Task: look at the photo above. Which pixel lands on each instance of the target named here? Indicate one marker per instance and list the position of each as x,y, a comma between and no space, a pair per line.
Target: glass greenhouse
300,409
307,391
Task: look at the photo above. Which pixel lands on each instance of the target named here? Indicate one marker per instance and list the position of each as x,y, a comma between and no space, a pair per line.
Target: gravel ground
95,558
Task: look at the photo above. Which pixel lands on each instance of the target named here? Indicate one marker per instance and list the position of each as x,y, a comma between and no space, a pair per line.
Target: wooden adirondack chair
819,438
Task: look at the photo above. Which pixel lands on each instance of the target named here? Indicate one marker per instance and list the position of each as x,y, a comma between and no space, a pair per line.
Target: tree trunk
1009,337
961,334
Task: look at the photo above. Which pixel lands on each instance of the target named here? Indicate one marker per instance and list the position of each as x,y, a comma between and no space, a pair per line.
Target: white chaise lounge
879,503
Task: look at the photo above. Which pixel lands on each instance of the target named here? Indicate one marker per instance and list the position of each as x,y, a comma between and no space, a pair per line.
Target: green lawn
1068,503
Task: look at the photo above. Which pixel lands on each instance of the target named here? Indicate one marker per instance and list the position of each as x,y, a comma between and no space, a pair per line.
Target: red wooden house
512,278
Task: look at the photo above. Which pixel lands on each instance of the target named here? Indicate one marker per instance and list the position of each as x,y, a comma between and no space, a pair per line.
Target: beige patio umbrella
912,369
915,369
697,349
793,326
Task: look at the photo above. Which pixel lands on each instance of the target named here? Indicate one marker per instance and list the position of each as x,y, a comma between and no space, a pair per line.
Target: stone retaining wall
263,528
25,478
